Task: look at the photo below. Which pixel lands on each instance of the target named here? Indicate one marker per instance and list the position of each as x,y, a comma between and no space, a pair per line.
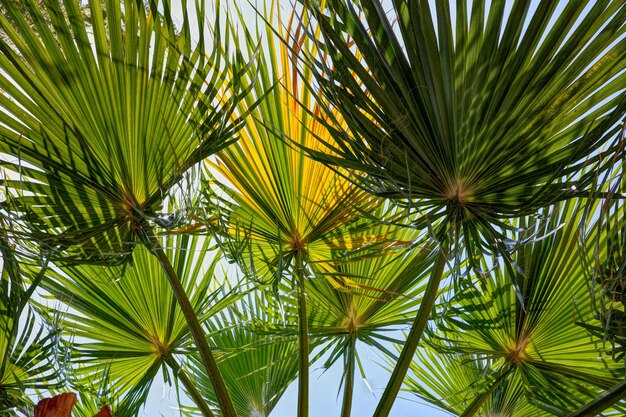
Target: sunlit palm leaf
125,329
540,344
284,201
97,127
26,347
371,295
27,363
257,358
476,114
453,383
606,264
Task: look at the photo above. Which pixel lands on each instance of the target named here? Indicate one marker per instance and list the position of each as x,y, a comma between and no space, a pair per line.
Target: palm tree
470,118
383,294
97,128
465,124
525,356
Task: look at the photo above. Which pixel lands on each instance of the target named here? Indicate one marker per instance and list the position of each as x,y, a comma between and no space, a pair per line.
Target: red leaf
105,412
59,406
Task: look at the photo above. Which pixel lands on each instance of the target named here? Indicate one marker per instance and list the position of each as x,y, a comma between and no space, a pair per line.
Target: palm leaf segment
296,213
26,351
606,265
474,115
97,127
539,348
383,294
452,383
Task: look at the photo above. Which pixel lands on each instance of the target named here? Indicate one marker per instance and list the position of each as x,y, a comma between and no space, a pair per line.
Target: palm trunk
206,355
419,324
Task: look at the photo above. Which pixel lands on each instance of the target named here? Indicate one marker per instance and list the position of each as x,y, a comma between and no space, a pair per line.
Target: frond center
352,321
161,348
457,194
516,354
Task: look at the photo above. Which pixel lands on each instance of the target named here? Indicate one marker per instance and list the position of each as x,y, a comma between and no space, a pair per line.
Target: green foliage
365,161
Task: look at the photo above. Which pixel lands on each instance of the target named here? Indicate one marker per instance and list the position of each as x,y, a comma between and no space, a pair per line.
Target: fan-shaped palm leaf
257,357
26,348
453,383
124,330
383,296
539,344
101,130
294,211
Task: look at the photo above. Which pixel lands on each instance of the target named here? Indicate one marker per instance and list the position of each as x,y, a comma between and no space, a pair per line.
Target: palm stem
602,402
419,324
190,387
348,390
479,400
206,355
303,344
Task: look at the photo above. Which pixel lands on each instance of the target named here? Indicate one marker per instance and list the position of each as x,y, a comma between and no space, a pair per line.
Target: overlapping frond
257,357
370,297
26,346
472,111
96,127
285,202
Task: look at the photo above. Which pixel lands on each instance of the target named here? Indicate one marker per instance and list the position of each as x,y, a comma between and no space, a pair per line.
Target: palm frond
476,115
536,340
125,329
284,201
257,360
97,127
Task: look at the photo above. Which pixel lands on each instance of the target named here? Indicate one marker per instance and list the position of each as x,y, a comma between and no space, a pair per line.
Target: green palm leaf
126,329
257,357
96,130
294,213
471,117
453,383
283,200
377,297
538,345
26,347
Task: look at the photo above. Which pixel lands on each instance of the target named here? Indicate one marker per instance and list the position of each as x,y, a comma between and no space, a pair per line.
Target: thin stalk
190,387
303,343
602,402
348,389
206,355
479,400
419,324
